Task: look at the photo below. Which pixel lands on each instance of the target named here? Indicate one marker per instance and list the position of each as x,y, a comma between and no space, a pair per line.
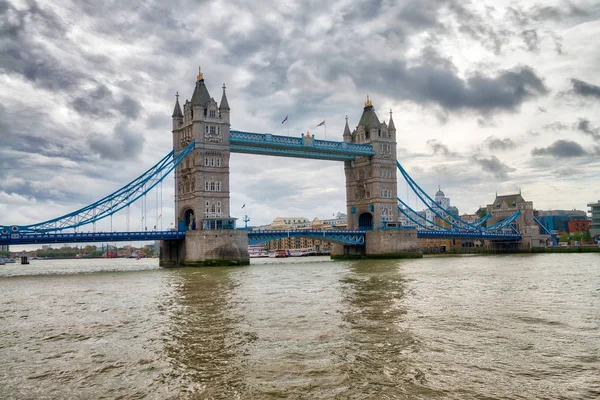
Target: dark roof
511,200
177,110
200,96
369,118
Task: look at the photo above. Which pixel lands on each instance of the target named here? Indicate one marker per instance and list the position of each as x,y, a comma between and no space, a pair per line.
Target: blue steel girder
356,238
110,204
275,145
89,237
457,234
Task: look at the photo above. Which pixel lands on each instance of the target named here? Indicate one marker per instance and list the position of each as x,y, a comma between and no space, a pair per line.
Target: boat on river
257,252
278,253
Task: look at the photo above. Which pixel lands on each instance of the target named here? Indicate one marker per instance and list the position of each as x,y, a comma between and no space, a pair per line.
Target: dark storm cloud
123,144
22,54
494,166
495,144
505,91
586,127
585,89
100,103
561,149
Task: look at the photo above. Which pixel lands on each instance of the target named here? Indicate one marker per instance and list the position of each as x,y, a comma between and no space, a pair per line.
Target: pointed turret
177,110
347,134
177,114
224,104
391,126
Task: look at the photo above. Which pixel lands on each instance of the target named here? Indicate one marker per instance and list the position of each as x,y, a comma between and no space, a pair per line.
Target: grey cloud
565,171
100,103
585,89
541,13
123,144
585,126
531,39
494,166
495,144
561,149
23,55
555,126
439,148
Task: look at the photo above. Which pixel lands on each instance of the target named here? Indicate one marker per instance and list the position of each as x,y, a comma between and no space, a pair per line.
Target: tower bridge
205,231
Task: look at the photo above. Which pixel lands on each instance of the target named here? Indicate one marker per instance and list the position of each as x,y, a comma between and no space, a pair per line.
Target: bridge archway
188,219
365,222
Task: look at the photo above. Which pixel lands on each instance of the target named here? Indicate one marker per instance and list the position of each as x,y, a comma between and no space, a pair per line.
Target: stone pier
206,248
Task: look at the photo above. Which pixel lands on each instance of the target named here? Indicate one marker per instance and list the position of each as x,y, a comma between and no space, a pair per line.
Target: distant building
4,247
505,206
595,226
442,202
579,225
340,221
558,220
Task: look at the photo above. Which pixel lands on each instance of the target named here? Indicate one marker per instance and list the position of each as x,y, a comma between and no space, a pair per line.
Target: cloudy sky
488,96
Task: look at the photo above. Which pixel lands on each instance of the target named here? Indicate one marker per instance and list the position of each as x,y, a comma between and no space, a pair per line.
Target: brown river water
471,327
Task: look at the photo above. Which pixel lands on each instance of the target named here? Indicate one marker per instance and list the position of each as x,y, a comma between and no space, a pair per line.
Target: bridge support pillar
226,247
390,243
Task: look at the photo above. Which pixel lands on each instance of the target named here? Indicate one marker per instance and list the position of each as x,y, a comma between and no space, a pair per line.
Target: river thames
470,327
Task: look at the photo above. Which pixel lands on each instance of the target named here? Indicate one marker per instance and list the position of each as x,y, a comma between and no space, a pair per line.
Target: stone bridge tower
371,192
202,184
371,184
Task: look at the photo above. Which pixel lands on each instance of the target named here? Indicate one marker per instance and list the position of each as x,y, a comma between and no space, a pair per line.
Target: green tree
576,236
4,254
587,236
564,237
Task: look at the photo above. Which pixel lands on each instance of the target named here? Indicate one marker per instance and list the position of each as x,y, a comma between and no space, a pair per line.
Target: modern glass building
595,211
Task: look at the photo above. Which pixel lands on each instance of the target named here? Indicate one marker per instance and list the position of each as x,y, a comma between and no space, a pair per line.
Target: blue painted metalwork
548,232
110,204
504,223
458,234
356,238
481,220
431,204
418,217
542,225
81,237
274,145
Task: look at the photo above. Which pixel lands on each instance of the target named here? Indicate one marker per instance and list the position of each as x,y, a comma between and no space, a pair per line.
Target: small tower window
212,113
213,130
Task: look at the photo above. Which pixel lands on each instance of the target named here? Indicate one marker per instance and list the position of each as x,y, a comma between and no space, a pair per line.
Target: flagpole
325,125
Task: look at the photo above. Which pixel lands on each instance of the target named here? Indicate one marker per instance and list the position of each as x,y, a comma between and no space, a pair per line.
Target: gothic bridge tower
371,184
202,183
371,191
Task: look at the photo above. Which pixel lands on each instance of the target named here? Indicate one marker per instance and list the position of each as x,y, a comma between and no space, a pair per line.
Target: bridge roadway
356,238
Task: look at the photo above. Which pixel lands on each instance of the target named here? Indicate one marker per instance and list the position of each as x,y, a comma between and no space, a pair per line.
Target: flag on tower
322,123
285,119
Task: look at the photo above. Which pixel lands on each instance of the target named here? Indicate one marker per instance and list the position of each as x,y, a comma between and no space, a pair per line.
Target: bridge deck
80,237
339,236
303,147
